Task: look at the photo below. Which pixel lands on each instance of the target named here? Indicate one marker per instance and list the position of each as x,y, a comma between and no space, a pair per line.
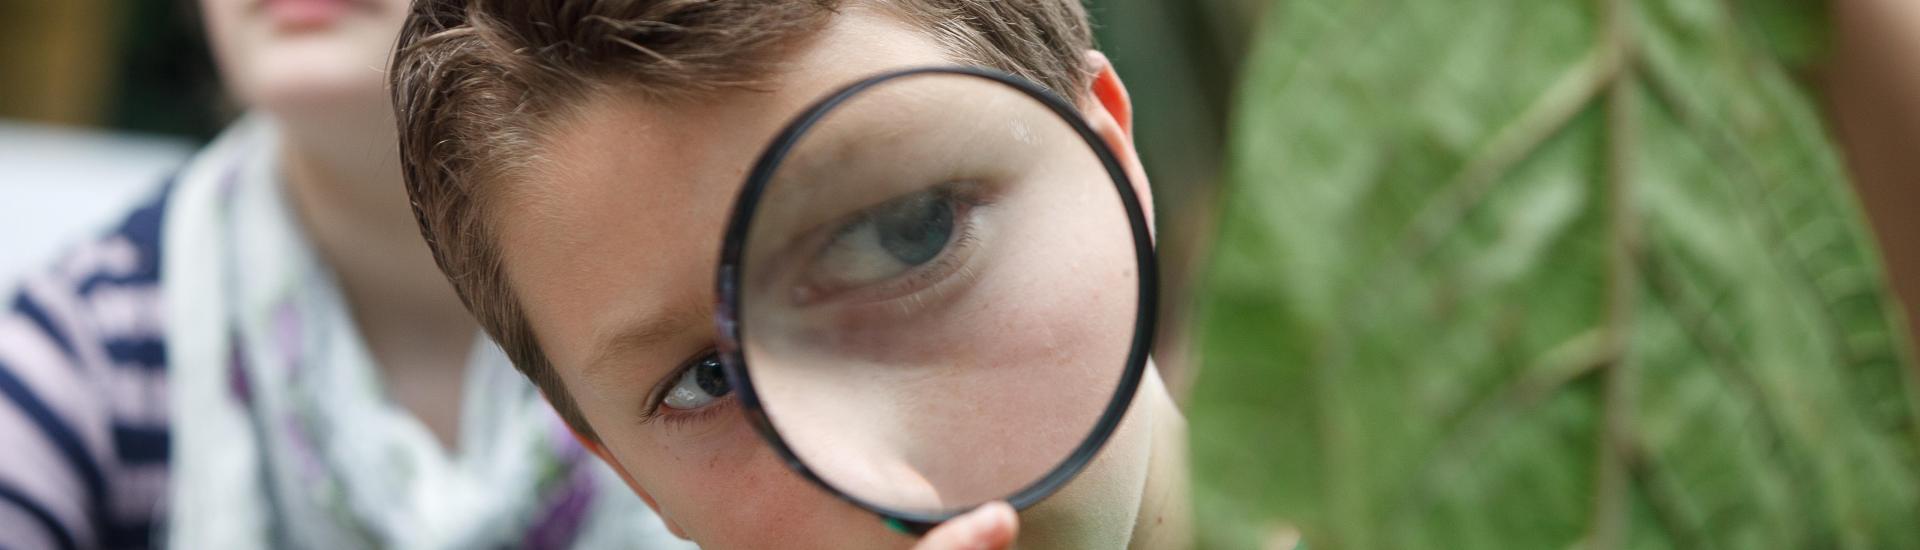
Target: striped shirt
83,395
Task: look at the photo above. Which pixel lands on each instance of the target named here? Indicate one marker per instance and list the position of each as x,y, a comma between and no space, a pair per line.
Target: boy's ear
1107,89
600,450
1110,112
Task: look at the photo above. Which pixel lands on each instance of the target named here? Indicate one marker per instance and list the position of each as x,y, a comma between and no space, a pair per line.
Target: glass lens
938,293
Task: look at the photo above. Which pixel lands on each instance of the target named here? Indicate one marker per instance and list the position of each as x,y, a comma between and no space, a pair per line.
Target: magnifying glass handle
908,527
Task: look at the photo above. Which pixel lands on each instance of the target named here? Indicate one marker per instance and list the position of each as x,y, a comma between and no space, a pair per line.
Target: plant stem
1613,478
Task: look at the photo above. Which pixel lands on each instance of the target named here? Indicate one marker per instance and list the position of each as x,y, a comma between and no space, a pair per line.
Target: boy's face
611,247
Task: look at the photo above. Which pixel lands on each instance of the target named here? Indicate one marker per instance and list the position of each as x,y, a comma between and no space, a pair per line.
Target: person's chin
315,96
322,93
319,69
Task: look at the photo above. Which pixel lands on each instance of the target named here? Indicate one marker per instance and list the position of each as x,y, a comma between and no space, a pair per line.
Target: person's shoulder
111,280
105,290
83,388
128,253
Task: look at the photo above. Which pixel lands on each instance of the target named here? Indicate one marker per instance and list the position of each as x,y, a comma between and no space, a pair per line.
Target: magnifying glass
937,290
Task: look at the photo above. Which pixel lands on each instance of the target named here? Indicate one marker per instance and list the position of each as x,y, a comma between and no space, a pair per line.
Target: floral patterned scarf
284,437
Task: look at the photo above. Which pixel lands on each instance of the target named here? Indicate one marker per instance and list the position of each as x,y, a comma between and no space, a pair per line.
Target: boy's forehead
622,218
703,145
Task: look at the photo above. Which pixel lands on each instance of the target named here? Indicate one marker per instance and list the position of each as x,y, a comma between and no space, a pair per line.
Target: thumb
989,527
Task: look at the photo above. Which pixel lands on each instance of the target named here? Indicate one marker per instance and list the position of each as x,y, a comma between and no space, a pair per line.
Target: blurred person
263,355
572,163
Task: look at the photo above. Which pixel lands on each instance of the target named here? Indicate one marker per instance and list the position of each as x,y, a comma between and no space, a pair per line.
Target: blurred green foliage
1545,274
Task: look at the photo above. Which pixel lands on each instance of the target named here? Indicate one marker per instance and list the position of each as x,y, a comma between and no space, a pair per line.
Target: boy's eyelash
679,419
947,266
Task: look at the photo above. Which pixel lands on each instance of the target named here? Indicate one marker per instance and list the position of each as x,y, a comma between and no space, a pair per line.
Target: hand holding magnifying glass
989,527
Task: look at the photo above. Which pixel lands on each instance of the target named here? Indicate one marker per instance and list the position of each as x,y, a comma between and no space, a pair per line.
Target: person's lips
305,14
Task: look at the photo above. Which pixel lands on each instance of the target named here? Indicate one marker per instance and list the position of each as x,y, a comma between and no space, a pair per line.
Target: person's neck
346,190
1872,100
1165,520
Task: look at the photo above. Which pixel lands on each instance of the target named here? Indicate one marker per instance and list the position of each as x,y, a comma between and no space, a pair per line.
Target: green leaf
1545,274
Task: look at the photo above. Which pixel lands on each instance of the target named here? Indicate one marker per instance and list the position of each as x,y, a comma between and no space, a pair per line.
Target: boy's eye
885,242
915,229
698,386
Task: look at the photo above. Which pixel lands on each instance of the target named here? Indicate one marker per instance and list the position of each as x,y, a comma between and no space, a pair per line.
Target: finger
989,527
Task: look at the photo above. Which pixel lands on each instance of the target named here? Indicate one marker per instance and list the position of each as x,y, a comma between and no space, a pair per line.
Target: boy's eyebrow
630,338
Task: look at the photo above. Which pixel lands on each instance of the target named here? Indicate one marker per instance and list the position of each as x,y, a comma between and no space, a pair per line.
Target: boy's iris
711,379
914,230
697,385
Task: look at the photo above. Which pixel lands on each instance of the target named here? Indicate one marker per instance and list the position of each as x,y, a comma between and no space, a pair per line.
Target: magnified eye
915,229
887,241
698,386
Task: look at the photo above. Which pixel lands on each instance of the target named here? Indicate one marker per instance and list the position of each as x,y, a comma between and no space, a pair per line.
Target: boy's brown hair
478,83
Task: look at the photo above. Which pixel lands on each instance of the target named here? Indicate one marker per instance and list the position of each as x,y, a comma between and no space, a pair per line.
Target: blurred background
1565,274
99,99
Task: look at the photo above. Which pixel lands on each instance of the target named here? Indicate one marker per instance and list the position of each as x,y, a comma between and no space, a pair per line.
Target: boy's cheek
748,498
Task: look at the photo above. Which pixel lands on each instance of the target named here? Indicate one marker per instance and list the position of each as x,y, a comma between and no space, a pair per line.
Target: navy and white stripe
84,438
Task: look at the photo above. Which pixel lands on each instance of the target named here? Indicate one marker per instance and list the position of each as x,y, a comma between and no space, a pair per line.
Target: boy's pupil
711,378
916,229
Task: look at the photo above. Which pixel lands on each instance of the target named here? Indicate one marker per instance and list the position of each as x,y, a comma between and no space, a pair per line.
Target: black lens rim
727,314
